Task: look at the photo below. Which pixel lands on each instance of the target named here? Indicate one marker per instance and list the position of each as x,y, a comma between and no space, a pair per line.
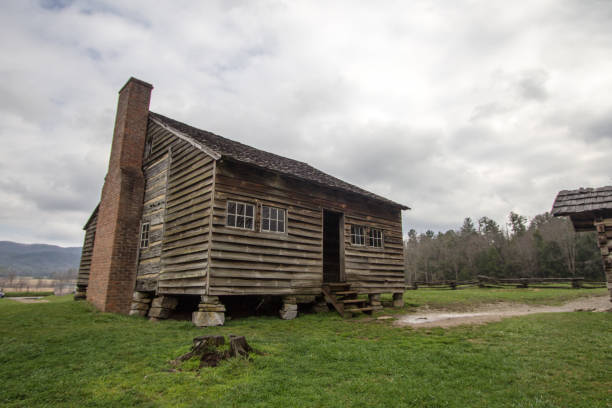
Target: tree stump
206,348
239,346
202,346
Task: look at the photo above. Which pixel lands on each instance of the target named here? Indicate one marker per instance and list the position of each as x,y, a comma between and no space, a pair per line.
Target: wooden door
333,240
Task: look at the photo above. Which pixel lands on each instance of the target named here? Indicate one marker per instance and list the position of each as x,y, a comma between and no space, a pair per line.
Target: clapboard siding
177,201
87,251
247,262
193,252
372,270
185,246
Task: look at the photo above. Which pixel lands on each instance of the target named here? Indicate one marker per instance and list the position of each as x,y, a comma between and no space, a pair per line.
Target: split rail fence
490,282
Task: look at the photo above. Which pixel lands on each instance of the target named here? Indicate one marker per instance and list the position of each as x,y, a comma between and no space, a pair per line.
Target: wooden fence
490,282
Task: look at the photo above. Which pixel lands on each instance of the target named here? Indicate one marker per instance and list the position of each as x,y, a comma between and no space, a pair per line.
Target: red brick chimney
114,260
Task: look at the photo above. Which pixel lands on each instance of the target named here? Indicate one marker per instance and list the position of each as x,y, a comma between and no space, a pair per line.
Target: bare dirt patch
498,311
29,299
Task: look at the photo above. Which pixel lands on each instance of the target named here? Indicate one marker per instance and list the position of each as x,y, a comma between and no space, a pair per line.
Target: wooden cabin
590,209
216,218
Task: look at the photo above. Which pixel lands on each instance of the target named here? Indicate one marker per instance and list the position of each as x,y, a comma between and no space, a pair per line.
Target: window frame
145,229
363,235
236,215
374,239
261,219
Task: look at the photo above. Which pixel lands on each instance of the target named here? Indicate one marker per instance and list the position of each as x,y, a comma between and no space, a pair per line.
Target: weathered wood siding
183,186
87,251
375,270
179,204
255,262
603,227
153,213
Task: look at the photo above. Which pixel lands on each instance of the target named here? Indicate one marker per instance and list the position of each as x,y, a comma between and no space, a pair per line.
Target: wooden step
345,293
345,301
331,298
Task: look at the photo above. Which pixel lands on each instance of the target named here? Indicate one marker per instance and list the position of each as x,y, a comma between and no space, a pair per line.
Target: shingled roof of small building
583,200
237,151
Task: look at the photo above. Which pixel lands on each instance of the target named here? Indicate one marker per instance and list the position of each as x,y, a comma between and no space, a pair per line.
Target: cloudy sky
462,108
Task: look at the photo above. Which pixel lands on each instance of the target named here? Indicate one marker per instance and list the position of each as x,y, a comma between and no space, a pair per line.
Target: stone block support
398,300
211,312
290,308
141,302
162,306
374,300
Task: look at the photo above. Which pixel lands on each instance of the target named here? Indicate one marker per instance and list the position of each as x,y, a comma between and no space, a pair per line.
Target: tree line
546,246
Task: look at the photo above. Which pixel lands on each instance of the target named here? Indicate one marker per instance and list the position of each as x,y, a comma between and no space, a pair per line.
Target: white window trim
235,215
364,235
262,220
381,239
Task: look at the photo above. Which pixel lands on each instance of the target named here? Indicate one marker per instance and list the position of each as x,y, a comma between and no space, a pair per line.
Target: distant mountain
37,259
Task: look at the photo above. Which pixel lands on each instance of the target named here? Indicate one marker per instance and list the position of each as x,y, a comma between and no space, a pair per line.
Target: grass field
63,353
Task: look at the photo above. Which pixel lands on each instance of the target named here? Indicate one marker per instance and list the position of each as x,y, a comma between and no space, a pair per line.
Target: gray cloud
532,85
456,110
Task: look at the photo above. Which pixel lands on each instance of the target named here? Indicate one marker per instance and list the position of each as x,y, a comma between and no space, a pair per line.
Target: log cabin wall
245,262
88,243
603,227
374,270
177,205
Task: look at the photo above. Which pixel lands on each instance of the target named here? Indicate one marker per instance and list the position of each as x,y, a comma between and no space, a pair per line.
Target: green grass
63,353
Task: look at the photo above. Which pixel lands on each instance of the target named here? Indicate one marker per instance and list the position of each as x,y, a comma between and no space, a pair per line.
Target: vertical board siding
87,251
156,174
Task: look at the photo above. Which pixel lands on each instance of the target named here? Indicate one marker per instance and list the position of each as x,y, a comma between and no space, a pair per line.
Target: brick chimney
114,259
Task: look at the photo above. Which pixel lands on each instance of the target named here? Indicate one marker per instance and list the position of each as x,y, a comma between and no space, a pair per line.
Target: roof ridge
241,152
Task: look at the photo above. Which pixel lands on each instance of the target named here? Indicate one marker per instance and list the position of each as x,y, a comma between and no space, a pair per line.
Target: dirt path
28,299
499,311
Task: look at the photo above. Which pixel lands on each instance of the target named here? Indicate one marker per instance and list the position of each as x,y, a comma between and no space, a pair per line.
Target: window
375,238
240,215
272,219
357,235
144,235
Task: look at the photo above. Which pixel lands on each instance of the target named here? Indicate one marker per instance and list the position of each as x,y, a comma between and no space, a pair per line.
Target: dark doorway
332,243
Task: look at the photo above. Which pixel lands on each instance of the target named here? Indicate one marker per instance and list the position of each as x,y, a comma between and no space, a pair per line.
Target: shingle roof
570,202
246,154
